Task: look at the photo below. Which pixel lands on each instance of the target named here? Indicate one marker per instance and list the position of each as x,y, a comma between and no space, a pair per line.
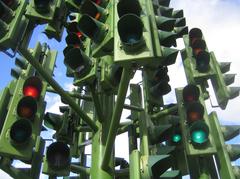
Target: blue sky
219,21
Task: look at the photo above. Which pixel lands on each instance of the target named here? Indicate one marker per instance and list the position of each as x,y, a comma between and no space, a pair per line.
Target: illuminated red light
79,34
31,91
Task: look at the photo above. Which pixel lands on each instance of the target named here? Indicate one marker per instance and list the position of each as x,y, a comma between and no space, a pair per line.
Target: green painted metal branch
57,88
132,107
134,165
97,104
5,165
82,129
122,129
164,112
79,169
117,112
72,94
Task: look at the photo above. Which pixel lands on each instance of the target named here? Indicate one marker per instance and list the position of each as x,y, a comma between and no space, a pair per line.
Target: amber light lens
27,107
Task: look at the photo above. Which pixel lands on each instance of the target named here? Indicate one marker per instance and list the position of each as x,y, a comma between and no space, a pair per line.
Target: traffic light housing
220,82
23,126
110,74
12,23
197,60
57,160
201,65
96,23
76,56
138,42
55,28
42,11
156,81
23,121
194,122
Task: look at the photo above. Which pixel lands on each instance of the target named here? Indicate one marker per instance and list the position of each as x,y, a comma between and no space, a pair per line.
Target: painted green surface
120,37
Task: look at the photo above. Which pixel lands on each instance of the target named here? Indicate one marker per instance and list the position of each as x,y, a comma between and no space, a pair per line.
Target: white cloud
69,86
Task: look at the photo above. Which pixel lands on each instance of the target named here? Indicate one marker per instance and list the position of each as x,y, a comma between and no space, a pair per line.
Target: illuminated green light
176,138
199,136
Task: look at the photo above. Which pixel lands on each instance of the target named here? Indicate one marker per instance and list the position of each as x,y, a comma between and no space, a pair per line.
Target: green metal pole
224,162
99,143
134,155
132,107
97,105
135,165
164,112
144,117
72,94
117,112
79,169
57,88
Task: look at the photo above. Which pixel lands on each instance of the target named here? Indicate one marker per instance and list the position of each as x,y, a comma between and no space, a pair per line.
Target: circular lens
42,6
31,91
58,155
32,87
27,107
195,111
176,138
191,93
21,131
199,136
130,30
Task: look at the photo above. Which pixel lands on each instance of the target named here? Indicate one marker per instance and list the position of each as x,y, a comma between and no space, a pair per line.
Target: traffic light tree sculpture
107,41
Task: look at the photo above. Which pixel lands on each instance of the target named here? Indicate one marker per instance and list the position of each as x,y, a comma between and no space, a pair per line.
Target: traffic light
220,82
96,23
23,122
197,60
57,160
23,126
194,121
12,23
176,136
156,84
55,28
200,65
139,42
180,27
226,153
110,74
42,11
76,57
199,52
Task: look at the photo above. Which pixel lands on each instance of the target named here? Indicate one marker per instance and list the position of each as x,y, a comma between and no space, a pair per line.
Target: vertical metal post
117,112
135,165
134,155
99,143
